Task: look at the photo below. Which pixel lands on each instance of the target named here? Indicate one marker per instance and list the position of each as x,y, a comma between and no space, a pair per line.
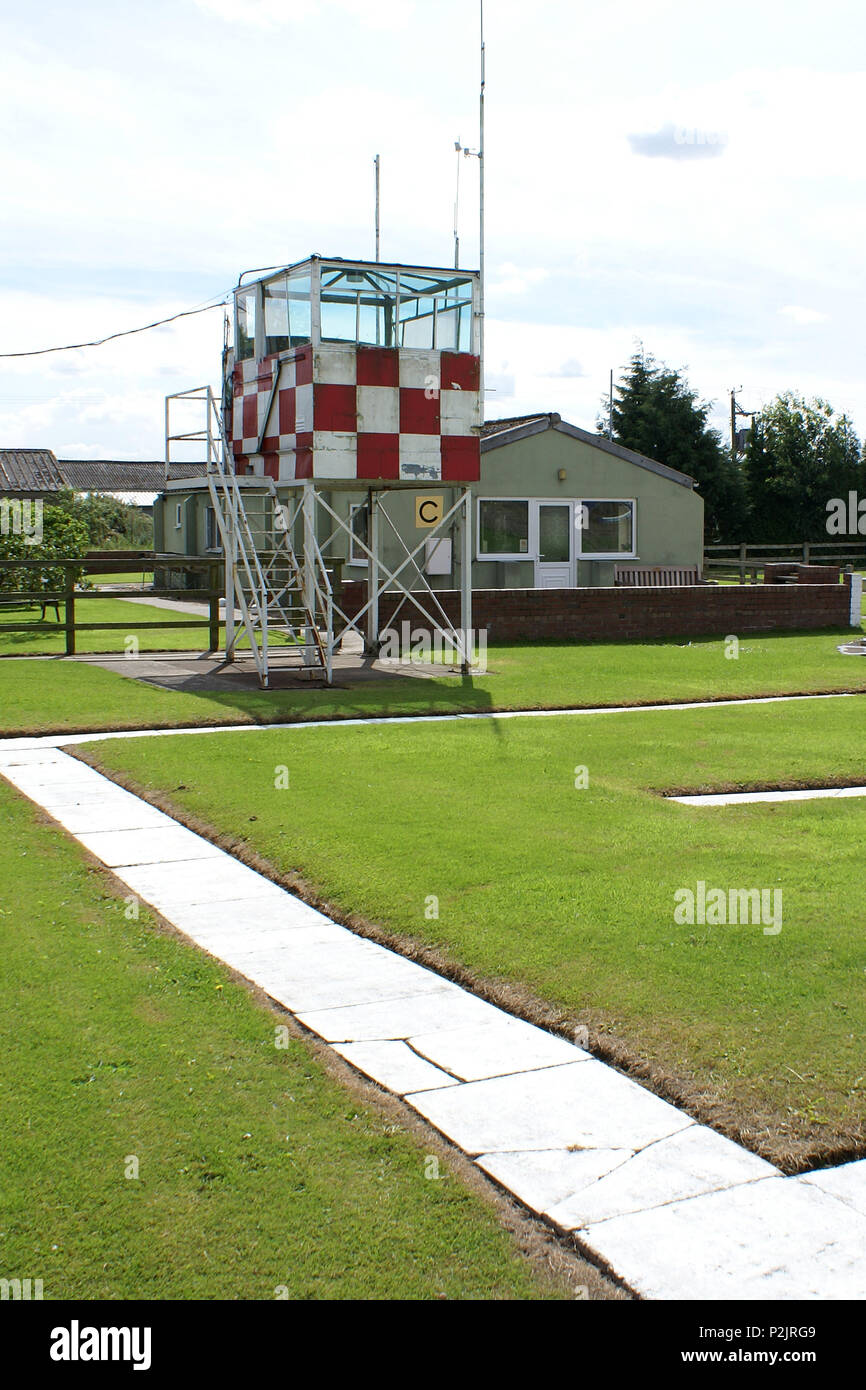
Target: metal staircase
265,583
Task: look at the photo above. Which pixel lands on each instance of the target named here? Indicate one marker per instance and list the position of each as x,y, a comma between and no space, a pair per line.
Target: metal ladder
266,583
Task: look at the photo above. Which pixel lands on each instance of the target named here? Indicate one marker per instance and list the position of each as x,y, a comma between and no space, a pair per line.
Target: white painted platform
676,1210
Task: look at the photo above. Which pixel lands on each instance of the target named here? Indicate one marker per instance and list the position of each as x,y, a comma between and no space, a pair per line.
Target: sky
675,174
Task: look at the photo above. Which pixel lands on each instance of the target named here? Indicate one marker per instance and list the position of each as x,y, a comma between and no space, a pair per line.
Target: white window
503,528
358,515
606,527
178,516
520,528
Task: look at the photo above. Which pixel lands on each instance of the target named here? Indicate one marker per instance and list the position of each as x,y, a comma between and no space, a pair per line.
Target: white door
554,565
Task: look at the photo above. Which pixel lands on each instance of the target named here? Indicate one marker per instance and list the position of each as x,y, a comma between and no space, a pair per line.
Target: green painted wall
669,517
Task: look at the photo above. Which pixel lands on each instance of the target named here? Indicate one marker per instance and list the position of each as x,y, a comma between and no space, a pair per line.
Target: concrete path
61,740
674,1209
746,798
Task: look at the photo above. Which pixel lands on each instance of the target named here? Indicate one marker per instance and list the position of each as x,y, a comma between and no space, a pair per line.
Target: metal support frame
277,587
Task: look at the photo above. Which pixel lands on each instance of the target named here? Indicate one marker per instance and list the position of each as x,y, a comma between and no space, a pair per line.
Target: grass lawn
570,893
257,1169
47,638
519,677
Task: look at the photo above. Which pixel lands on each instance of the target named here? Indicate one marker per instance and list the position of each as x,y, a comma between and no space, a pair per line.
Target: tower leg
373,537
466,579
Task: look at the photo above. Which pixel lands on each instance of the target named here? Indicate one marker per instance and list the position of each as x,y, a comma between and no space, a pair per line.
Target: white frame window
609,554
178,516
355,559
578,552
483,555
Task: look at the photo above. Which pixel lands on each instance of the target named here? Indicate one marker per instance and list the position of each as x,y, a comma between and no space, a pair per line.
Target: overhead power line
126,333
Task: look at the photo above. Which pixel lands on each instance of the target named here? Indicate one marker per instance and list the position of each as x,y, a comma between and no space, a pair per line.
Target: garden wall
630,614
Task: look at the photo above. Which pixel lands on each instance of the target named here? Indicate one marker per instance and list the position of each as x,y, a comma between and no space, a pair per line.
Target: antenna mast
376,162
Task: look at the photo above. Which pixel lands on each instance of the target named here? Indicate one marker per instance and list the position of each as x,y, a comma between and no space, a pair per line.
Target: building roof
496,433
29,470
110,475
38,471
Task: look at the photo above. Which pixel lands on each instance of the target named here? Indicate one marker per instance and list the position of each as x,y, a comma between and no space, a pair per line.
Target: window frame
355,507
531,552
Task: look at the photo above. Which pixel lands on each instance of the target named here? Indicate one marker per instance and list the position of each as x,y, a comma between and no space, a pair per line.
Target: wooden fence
748,559
110,564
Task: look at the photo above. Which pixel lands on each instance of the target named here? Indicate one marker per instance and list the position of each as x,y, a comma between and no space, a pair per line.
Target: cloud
571,369
798,314
679,142
516,279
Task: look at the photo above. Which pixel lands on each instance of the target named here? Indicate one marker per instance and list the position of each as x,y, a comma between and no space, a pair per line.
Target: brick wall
631,614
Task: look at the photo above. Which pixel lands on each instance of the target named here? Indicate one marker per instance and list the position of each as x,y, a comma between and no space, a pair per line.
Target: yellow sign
429,510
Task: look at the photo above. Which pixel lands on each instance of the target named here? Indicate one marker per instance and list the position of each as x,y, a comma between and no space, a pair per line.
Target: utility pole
479,155
376,162
737,409
610,408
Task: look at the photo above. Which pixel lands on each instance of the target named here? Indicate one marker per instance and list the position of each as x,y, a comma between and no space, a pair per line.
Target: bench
657,576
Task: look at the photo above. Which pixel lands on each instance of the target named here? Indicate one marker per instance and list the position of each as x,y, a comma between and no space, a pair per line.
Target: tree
111,524
800,456
64,536
656,413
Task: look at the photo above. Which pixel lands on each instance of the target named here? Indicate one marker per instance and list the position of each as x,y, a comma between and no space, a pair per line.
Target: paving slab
394,1066
147,845
305,975
448,1006
543,1178
495,1048
232,921
687,1164
771,1239
584,1104
847,1183
169,886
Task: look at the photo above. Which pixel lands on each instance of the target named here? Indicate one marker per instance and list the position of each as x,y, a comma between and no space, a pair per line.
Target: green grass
570,893
47,638
256,1169
35,697
127,577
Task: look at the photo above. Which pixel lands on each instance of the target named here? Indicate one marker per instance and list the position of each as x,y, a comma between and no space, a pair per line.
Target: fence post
743,564
69,610
805,552
214,608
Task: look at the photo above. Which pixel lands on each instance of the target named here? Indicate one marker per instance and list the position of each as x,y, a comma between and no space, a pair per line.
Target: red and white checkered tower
356,372
342,376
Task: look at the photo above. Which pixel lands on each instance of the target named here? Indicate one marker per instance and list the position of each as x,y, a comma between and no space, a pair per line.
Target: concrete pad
304,975
496,1048
168,886
772,1239
543,1178
847,1184
585,1104
394,1066
694,1161
446,1007
107,814
147,845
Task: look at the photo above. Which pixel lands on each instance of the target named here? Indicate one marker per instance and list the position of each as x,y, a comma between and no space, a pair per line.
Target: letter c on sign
429,511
